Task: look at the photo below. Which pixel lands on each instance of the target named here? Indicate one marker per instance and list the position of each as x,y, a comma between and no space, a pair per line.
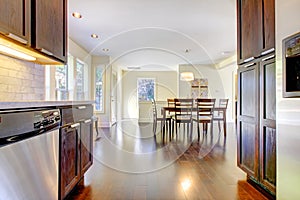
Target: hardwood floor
129,163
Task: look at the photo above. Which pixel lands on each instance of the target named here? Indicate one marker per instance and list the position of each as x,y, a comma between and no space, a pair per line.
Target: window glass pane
61,80
146,89
79,81
99,89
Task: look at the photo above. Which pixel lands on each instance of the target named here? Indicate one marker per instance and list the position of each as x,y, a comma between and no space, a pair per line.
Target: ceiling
156,35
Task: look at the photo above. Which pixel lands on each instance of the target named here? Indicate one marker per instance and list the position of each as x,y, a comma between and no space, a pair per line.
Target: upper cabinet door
256,29
249,29
14,19
269,26
50,31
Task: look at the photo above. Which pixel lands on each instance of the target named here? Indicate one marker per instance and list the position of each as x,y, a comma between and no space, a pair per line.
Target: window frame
84,71
102,67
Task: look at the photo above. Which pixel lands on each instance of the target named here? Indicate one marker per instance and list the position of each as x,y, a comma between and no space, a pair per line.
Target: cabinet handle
249,59
249,65
75,125
81,107
267,51
46,52
15,37
267,58
87,121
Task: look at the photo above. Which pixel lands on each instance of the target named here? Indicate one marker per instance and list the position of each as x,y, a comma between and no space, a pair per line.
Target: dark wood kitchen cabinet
248,118
256,109
50,28
69,158
14,19
39,26
256,122
76,146
86,142
255,29
268,125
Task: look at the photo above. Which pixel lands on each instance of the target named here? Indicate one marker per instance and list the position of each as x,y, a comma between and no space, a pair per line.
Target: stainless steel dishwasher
29,150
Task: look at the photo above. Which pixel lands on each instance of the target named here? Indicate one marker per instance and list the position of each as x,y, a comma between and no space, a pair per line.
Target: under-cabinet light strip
12,52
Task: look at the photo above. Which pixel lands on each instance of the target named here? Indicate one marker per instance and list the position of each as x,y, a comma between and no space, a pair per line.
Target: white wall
288,112
166,87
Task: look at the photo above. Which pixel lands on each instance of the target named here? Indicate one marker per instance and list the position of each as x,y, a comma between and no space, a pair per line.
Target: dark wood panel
248,82
269,24
86,147
268,125
268,171
249,29
269,75
248,147
69,160
14,18
51,27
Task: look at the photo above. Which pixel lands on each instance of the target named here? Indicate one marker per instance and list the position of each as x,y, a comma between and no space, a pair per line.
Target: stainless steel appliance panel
29,168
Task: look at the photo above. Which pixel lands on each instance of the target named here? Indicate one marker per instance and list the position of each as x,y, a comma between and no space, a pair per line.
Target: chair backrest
171,102
154,109
223,103
205,107
184,108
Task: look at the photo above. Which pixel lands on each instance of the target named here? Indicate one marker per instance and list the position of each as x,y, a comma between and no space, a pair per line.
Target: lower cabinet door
86,145
247,120
268,125
69,158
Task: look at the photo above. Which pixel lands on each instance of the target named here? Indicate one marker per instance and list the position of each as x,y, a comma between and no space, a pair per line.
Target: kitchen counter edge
40,104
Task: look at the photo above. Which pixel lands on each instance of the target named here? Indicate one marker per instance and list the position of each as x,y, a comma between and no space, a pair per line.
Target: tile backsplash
21,80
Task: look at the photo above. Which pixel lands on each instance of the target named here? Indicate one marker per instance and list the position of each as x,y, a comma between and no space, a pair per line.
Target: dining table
173,109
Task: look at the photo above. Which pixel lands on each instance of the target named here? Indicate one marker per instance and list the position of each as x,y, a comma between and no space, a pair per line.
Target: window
61,80
79,80
99,89
145,89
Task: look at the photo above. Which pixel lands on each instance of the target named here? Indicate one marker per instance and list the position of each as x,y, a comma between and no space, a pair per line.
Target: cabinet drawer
82,112
67,116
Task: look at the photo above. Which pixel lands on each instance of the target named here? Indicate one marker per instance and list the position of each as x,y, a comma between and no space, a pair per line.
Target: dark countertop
40,104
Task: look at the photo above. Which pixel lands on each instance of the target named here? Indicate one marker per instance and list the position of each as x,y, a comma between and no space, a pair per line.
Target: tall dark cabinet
256,116
256,29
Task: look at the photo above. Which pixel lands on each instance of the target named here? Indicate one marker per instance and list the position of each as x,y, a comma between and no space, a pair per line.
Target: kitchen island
73,144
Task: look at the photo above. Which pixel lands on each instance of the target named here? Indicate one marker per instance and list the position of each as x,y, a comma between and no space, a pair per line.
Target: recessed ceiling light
105,50
225,53
94,36
187,50
76,15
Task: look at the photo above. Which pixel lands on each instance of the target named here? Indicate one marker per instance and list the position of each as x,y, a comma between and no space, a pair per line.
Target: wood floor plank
178,169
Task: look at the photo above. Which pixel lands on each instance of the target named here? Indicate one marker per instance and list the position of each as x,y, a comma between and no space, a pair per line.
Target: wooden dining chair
183,112
164,121
156,119
204,114
170,114
220,114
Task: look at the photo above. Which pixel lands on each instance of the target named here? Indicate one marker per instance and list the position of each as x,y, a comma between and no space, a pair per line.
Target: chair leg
219,126
198,131
154,127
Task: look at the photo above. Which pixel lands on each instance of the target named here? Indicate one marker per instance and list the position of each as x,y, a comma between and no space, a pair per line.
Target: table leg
224,116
